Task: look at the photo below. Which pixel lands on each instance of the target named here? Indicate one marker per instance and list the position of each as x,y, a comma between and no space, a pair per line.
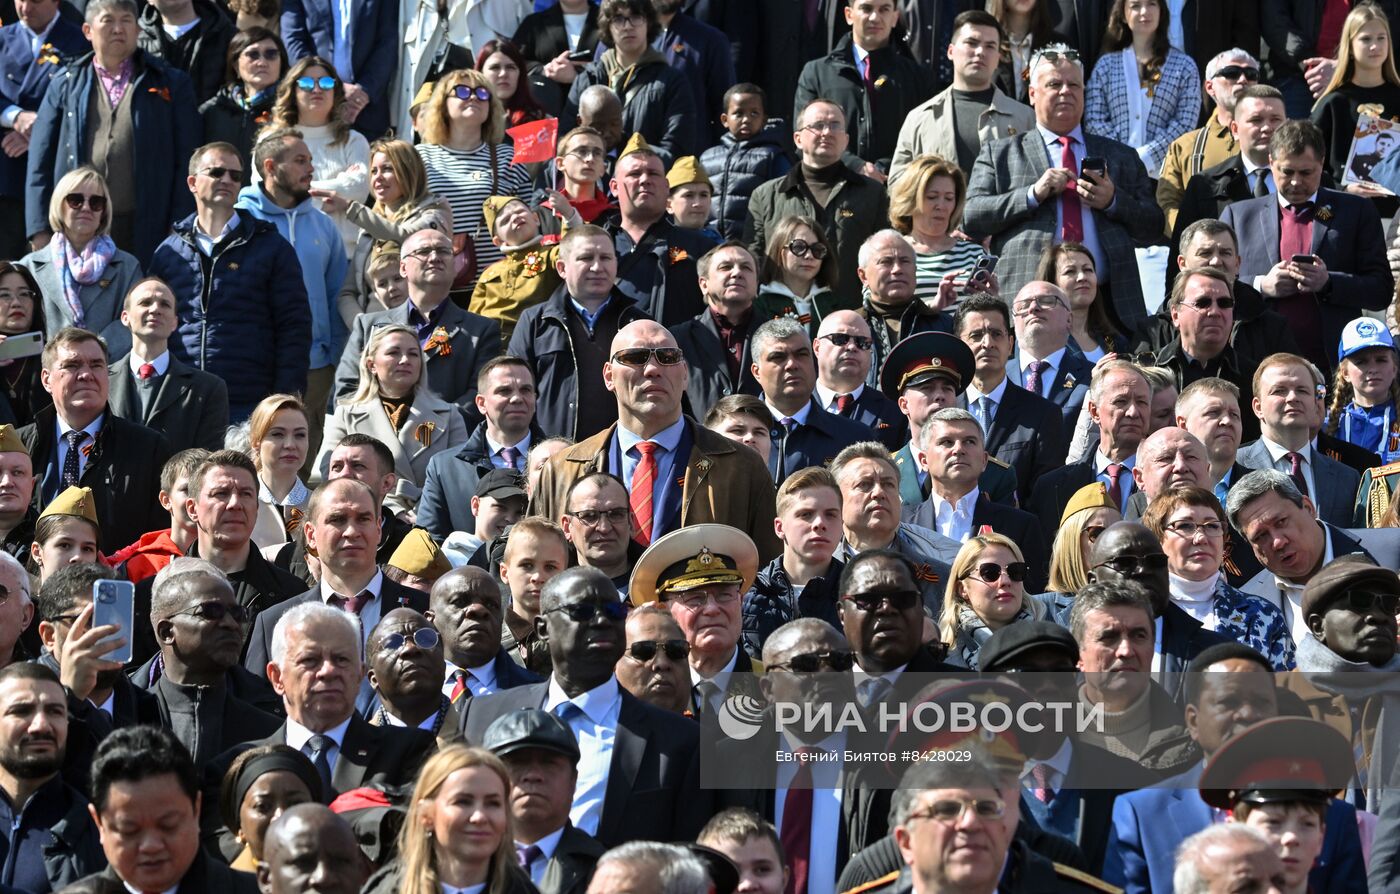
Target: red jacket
146,556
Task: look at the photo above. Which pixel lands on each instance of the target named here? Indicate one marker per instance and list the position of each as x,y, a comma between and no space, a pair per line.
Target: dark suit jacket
242,721
1336,483
653,790
1351,243
1022,527
391,596
123,471
998,480
571,867
190,408
1347,453
706,361
813,443
1183,638
1027,434
26,79
446,503
659,272
309,30
205,876
1214,26
1070,388
882,416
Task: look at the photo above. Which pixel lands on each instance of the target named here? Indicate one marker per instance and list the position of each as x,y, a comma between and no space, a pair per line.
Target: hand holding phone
1305,259
84,653
1094,165
114,606
581,56
982,271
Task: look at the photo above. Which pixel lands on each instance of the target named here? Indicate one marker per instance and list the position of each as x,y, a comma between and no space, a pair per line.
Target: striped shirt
929,269
464,180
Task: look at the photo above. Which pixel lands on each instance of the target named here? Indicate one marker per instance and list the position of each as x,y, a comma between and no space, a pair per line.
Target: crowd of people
479,402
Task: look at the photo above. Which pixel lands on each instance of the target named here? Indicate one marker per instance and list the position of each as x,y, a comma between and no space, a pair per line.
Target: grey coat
102,301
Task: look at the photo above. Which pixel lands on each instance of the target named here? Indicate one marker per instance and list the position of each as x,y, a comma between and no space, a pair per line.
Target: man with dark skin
882,615
406,669
311,849
1350,607
465,607
654,667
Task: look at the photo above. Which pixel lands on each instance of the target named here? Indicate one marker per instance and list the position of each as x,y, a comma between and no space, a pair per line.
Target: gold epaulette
1382,471
1085,878
1000,462
877,883
1377,500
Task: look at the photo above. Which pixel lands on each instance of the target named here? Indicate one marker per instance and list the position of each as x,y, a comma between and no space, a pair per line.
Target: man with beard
16,494
283,198
845,356
406,669
309,848
465,608
598,523
199,626
48,838
717,341
654,667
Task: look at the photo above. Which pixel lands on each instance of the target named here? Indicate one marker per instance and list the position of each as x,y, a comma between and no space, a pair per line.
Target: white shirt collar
973,395
1055,359
1059,762
721,677
1279,452
800,417
135,890
1328,554
943,509
161,363
597,703
548,844
1101,462
229,227
1284,203
298,735
375,585
826,397
522,446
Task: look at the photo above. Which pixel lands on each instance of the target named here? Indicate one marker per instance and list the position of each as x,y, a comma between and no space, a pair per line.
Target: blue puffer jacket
736,168
248,321
770,603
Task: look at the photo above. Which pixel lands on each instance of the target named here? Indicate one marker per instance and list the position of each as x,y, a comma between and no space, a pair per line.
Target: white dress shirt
161,364
1059,768
299,737
996,394
954,520
1290,595
826,398
369,612
205,242
596,729
1125,484
1047,375
800,417
826,809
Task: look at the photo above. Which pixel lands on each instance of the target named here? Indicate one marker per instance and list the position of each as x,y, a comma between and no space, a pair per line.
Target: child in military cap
67,531
689,204
527,275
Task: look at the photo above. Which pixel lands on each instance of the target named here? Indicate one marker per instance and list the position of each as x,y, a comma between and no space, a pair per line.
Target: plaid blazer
1175,109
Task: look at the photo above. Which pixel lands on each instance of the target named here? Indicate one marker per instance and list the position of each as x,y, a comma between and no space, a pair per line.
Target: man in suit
1119,404
1340,233
952,452
882,618
723,482
1043,363
638,773
364,51
701,573
465,607
1292,543
145,784
542,756
717,341
844,349
1229,689
309,841
1027,192
187,405
342,531
598,523
807,435
406,665
1024,430
461,342
32,51
78,441
1286,389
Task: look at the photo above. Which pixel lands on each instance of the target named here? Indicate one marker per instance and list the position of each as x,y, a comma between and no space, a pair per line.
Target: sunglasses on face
214,612
1364,602
76,200
325,82
1203,304
423,638
900,601
646,649
801,248
234,174
467,93
990,572
811,662
841,339
1127,565
583,612
639,357
267,54
1233,72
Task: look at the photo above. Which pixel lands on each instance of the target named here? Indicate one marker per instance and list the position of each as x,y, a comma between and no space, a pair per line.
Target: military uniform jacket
1027,872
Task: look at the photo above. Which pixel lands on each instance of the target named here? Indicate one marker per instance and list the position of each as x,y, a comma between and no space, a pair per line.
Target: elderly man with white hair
1228,857
887,271
650,867
17,608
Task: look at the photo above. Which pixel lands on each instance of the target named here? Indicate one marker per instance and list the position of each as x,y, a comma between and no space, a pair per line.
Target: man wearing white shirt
466,610
1043,364
845,352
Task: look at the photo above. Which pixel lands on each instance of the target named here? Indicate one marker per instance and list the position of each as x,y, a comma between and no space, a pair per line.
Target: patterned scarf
80,268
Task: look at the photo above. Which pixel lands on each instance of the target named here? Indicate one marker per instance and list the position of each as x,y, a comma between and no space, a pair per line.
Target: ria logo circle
741,716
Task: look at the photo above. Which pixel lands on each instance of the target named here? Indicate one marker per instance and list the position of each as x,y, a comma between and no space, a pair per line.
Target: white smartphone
27,345
114,603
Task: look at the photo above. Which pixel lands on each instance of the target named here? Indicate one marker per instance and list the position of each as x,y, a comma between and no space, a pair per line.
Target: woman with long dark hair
243,106
505,67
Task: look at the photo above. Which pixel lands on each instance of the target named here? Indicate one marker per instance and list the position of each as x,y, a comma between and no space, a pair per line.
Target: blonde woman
1085,517
926,205
986,591
1365,76
81,273
278,436
393,405
457,836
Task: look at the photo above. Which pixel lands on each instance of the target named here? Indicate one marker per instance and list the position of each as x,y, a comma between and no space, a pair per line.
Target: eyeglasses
586,154
12,297
645,650
951,810
990,572
234,174
1189,529
640,357
629,21
900,600
214,612
1204,303
811,662
1136,564
1364,601
1233,72
267,54
423,638
694,602
424,254
591,517
1053,57
1044,302
325,82
841,339
801,248
824,126
583,612
467,93
76,200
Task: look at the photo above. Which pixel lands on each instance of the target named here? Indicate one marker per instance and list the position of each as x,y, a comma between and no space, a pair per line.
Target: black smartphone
1094,165
982,271
1304,259
581,56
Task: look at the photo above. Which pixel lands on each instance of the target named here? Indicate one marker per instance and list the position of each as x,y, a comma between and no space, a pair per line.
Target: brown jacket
724,484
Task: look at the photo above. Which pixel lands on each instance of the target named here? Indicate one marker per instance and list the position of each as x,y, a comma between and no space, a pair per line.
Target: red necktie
643,480
844,402
1295,471
1115,486
146,371
460,689
865,73
796,834
1071,214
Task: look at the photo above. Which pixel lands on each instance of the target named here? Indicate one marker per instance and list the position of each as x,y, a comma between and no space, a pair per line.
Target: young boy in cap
498,503
689,204
526,275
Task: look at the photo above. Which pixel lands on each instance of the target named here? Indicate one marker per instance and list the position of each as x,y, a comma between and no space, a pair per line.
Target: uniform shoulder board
877,883
1086,879
1006,465
1385,471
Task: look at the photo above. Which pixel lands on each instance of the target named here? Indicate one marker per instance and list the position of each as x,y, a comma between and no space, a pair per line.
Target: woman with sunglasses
258,786
926,204
21,311
986,592
243,106
1085,517
799,272
1365,76
311,98
1070,265
1190,524
81,273
468,160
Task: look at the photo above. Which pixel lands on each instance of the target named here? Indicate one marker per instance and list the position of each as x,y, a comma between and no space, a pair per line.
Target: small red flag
534,141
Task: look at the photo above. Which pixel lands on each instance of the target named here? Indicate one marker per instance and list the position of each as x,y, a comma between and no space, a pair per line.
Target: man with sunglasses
717,341
196,679
406,665
661,454
638,773
655,667
845,353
